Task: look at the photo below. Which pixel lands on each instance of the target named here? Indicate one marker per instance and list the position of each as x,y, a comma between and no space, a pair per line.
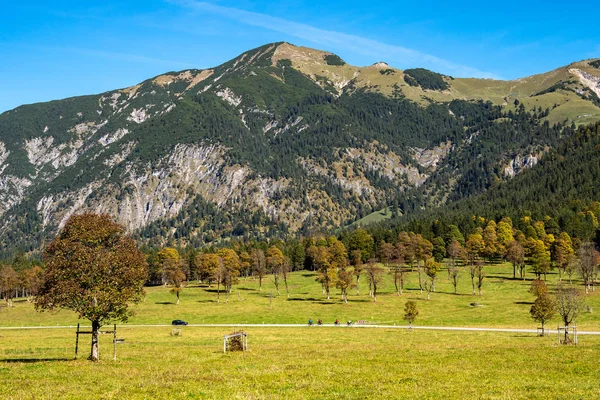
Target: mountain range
281,140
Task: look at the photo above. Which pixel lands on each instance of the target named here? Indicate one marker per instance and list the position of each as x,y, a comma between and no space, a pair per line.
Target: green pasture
308,362
505,303
299,363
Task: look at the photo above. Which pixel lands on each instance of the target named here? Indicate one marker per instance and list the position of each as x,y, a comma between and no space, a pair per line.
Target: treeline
534,246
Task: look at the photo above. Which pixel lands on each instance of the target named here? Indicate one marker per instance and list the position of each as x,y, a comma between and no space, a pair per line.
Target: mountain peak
381,65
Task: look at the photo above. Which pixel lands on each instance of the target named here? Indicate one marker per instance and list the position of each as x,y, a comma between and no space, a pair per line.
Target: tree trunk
357,282
95,353
543,328
260,282
218,292
374,292
177,298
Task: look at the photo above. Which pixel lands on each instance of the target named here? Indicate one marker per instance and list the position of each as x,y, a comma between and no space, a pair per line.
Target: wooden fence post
76,341
115,343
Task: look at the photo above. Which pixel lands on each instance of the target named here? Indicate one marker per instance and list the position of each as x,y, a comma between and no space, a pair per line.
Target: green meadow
308,362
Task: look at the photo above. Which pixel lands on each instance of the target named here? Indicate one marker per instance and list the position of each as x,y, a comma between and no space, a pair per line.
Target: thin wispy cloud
327,38
113,55
128,57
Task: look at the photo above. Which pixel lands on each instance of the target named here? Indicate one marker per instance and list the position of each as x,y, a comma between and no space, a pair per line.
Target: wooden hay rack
236,341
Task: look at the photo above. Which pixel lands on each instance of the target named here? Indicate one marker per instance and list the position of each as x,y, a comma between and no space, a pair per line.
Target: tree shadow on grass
524,302
164,302
302,299
206,301
33,360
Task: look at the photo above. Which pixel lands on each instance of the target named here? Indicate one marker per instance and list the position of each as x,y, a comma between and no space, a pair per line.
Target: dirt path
343,326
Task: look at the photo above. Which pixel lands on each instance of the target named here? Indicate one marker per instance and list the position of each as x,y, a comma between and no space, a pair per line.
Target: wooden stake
115,343
77,341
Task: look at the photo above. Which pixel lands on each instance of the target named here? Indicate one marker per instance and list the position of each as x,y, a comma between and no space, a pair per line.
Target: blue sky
62,48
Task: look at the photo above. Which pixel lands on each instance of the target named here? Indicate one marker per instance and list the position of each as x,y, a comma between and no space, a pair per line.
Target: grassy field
297,363
308,362
505,303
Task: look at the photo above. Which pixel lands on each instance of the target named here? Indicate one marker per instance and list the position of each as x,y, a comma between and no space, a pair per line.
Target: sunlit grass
296,363
505,303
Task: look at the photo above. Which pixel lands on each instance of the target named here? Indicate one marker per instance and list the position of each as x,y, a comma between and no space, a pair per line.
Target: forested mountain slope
280,140
562,188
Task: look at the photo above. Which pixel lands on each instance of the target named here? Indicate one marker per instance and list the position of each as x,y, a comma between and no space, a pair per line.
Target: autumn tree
245,264
167,255
423,251
32,280
344,280
455,251
454,278
207,263
490,240
588,258
93,269
9,281
374,275
174,276
386,253
432,268
339,264
504,236
231,270
515,253
562,250
475,247
543,309
286,268
569,304
219,274
357,263
406,245
259,265
275,261
480,274
410,312
397,270
538,288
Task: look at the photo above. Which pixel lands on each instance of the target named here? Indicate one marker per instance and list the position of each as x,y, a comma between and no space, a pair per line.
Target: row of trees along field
340,262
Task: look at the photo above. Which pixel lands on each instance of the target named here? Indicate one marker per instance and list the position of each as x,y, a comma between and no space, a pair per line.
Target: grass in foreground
298,363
